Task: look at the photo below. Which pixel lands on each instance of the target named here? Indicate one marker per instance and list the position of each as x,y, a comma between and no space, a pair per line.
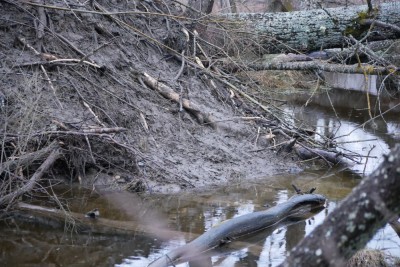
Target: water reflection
190,214
342,114
270,250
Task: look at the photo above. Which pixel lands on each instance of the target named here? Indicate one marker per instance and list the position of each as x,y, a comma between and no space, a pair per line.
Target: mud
163,149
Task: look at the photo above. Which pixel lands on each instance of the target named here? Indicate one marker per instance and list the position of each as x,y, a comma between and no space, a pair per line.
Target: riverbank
77,80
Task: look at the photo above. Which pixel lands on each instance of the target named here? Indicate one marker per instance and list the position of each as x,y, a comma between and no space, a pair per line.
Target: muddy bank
76,78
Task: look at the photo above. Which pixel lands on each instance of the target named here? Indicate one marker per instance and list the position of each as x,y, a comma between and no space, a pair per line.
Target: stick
169,93
28,158
94,131
58,62
51,86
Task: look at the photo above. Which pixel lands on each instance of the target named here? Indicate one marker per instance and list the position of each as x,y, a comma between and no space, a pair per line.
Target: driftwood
306,153
309,153
169,93
371,204
29,185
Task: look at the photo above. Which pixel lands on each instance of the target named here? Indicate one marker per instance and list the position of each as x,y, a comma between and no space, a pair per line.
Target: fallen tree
315,29
374,202
315,66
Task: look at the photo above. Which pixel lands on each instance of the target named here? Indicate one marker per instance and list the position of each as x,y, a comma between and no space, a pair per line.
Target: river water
191,214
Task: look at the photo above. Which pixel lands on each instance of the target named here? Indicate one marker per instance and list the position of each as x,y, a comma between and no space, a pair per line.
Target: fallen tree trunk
374,202
313,65
314,29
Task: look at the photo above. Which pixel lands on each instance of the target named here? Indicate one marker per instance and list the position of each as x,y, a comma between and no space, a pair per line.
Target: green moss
288,6
357,29
363,15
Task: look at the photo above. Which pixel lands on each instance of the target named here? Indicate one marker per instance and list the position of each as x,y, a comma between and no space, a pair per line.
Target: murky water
191,214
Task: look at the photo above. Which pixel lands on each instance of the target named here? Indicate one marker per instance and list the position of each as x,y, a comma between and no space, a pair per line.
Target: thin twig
182,66
366,160
51,86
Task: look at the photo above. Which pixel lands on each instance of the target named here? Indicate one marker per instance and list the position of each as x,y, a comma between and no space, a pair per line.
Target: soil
162,148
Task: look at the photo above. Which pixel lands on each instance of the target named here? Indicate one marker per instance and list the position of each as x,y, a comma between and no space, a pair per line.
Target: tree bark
314,29
354,222
312,65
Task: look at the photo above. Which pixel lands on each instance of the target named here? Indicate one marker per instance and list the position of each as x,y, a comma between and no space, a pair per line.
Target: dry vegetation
119,101
125,95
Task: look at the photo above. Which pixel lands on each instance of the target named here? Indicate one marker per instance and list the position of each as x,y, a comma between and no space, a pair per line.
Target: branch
9,198
27,159
169,93
380,24
61,62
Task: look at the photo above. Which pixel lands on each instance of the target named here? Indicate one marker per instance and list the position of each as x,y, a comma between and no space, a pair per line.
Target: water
191,214
342,114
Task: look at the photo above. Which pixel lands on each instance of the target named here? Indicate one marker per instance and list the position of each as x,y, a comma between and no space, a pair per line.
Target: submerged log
314,29
57,218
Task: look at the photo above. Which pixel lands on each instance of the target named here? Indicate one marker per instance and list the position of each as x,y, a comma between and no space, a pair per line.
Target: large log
56,218
314,29
374,202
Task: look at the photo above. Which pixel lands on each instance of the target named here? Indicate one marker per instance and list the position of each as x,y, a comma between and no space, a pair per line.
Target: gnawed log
239,227
310,153
305,153
169,93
